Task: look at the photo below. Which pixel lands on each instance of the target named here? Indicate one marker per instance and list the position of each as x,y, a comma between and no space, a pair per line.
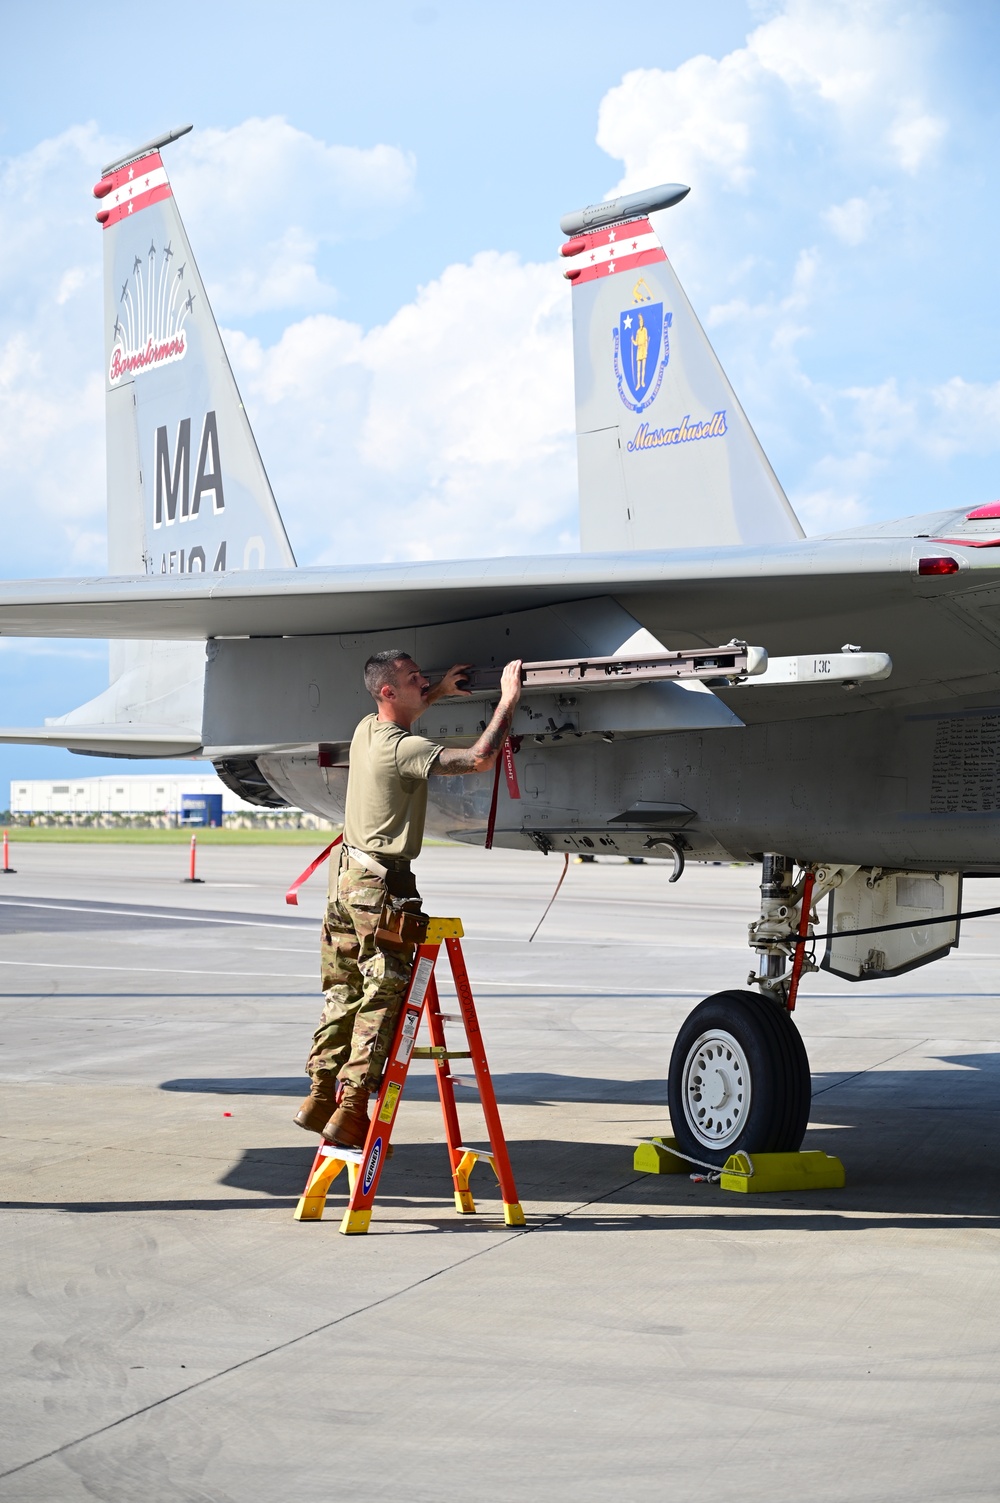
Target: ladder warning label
408,1035
421,981
392,1091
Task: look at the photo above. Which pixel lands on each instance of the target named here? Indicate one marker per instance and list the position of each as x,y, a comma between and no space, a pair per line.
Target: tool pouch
397,926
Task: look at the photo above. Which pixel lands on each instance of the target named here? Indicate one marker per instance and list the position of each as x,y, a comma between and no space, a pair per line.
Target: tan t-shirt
387,788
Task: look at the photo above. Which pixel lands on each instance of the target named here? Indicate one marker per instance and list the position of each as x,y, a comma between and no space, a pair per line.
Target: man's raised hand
510,684
482,756
455,681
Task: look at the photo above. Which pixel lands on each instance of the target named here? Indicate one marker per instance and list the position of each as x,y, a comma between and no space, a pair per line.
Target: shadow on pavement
912,1173
917,1145
521,1088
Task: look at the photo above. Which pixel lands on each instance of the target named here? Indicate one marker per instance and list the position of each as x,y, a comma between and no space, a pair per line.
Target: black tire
761,1087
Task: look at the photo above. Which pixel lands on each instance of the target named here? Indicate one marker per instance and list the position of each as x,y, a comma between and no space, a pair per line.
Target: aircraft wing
809,596
107,741
786,593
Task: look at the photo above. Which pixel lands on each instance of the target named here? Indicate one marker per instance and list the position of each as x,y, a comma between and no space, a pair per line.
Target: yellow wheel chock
745,1173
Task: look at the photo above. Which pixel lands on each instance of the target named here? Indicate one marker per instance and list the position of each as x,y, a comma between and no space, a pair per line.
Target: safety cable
716,1169
945,918
562,878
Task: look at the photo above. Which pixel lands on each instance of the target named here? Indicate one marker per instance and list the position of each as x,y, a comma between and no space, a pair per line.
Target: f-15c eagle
871,776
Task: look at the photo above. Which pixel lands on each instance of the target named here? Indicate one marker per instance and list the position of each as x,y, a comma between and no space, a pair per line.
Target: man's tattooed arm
483,754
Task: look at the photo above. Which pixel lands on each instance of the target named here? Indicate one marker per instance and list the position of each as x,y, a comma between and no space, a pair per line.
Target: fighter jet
702,681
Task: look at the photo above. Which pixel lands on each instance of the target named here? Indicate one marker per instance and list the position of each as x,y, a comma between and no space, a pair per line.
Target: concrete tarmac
171,1333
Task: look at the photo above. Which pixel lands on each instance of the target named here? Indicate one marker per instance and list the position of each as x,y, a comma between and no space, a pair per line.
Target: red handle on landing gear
800,943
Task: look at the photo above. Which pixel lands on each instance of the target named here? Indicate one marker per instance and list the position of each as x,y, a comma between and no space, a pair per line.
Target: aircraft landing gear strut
739,1074
783,907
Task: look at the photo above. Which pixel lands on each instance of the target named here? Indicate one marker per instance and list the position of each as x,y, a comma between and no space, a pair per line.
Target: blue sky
373,195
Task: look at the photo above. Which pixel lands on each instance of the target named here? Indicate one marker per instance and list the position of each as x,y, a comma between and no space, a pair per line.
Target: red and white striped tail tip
606,252
131,188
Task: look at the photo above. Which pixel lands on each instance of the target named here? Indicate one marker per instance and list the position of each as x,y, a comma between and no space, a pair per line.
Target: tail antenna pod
145,150
628,206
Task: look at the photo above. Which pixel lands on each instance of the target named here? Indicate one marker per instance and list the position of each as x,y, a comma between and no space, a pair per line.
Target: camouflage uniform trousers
363,980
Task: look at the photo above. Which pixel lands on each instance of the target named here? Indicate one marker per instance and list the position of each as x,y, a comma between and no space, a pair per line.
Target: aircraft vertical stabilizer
667,457
187,490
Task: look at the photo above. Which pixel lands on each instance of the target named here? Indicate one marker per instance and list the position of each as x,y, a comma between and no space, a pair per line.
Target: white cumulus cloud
852,220
262,199
866,63
447,431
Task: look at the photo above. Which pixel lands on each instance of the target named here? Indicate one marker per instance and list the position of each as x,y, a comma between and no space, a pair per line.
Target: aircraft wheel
739,1078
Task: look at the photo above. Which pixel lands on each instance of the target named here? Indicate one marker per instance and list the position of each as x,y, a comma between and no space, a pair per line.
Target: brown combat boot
348,1127
315,1111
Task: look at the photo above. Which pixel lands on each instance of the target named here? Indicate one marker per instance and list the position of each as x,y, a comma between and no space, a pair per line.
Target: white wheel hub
716,1088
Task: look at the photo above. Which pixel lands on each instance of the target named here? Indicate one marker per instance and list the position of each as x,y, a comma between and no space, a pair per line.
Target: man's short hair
381,669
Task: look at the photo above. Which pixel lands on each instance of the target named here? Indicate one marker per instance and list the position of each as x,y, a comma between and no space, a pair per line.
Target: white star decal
130,208
611,237
611,264
131,173
628,321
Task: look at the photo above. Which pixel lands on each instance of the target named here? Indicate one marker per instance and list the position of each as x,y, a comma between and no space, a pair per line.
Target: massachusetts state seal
642,352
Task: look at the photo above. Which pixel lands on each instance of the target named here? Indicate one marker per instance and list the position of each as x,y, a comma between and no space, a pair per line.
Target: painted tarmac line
507,988
172,970
875,1065
158,915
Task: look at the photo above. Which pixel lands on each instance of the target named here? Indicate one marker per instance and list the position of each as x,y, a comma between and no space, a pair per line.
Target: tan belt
376,867
368,862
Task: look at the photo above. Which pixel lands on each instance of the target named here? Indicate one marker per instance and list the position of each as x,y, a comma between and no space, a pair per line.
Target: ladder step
438,1051
466,1080
483,1153
452,1017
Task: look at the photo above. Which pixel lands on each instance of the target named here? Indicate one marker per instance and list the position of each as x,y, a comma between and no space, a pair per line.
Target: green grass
89,835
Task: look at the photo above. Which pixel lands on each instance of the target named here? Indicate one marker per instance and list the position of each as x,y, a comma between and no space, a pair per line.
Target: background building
158,793
156,799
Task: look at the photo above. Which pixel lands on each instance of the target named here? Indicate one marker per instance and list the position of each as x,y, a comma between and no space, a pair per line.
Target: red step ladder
364,1166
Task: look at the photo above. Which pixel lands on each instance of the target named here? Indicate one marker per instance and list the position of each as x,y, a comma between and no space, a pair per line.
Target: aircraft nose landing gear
739,1073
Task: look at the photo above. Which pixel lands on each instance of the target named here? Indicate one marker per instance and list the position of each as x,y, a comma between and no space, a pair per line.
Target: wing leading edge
691,587
107,741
